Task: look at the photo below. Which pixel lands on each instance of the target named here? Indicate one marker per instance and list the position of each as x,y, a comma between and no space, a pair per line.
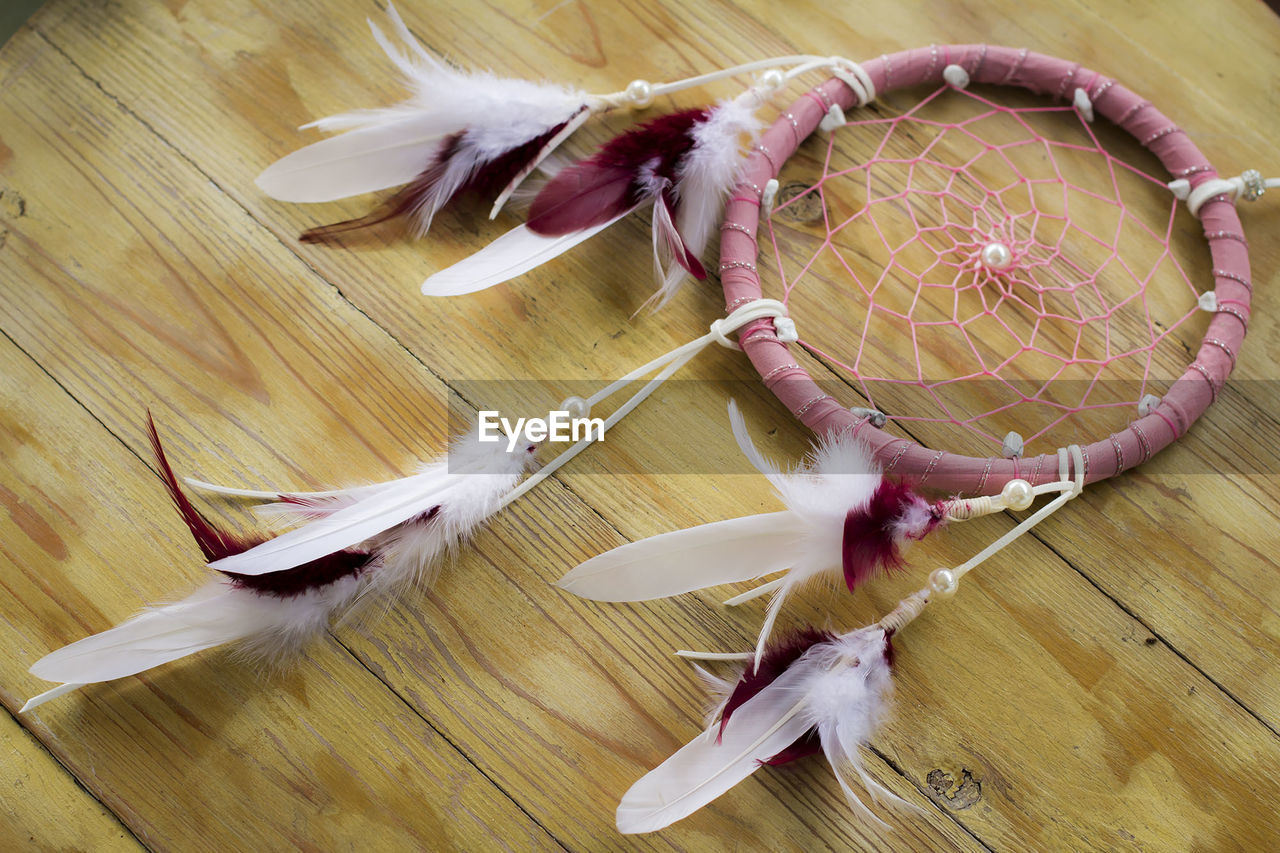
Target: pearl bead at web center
996,256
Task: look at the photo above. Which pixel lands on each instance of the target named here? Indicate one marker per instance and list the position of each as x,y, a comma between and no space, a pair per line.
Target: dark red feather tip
775,660
424,517
213,543
691,263
216,544
807,744
622,174
870,543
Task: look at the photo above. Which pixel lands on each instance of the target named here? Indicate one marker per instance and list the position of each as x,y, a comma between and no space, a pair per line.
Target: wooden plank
557,754
1138,777
36,787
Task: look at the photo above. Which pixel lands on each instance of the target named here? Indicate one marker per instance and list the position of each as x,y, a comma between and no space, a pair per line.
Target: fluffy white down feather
841,688
706,175
846,704
838,475
484,472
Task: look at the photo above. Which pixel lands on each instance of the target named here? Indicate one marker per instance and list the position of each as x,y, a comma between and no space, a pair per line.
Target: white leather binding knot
1248,185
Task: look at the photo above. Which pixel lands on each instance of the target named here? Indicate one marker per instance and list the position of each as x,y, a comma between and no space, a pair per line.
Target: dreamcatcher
982,258
973,231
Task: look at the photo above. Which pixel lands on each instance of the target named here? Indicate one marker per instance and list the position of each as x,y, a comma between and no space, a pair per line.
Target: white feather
738,549
387,147
467,484
348,526
806,539
666,239
748,447
790,581
705,176
708,766
215,614
52,693
302,506
838,476
840,688
718,692
511,255
846,705
411,554
465,487
363,160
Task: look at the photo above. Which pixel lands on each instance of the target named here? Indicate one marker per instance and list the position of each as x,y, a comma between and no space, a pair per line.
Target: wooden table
1109,684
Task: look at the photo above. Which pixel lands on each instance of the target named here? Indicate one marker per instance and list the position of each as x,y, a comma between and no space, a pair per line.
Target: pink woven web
1082,319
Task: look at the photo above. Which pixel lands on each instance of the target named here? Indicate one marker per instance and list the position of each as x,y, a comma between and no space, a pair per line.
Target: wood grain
1104,686
37,792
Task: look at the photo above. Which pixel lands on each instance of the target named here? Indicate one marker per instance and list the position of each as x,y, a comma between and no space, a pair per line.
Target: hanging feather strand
275,595
842,514
683,164
460,132
814,692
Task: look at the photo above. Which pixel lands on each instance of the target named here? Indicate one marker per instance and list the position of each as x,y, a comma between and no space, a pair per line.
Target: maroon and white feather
683,164
842,516
459,132
459,490
813,692
276,594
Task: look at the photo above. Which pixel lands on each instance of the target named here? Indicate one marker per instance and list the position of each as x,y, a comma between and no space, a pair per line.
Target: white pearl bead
996,256
943,583
772,79
640,93
576,407
1017,494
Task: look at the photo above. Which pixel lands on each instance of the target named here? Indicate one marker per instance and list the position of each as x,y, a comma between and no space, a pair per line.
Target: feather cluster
471,132
277,594
842,515
460,132
814,692
682,164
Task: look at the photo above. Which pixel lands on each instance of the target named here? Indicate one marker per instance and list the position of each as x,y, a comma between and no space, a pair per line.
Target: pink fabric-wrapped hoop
1186,399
